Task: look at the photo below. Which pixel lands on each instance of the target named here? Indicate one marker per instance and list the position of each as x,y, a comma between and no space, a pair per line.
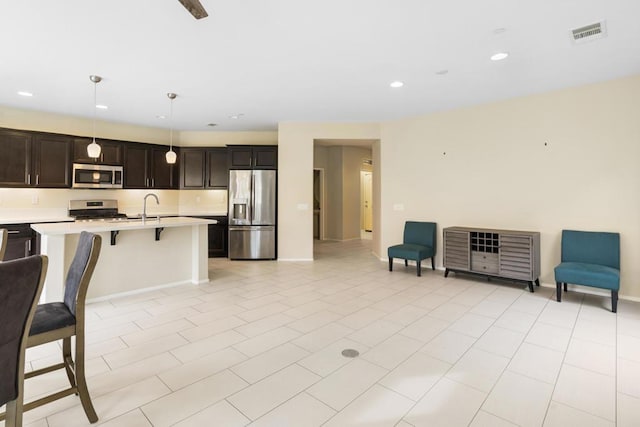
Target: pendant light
93,149
171,155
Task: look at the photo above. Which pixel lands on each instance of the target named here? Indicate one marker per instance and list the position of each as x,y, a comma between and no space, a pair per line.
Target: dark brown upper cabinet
145,166
204,168
192,168
111,152
253,156
30,159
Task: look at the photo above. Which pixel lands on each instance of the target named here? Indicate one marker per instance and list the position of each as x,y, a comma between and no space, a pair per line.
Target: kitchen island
136,255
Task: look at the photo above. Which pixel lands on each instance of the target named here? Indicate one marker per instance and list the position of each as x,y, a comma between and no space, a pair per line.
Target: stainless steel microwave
96,176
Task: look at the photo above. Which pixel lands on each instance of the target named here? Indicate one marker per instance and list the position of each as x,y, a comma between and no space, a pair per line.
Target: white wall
567,159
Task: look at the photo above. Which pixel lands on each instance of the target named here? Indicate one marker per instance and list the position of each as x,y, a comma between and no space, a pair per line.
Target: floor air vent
589,32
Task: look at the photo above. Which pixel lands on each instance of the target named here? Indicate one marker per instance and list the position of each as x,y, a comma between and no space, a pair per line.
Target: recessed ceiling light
499,56
102,107
161,117
499,30
442,72
23,93
396,84
236,116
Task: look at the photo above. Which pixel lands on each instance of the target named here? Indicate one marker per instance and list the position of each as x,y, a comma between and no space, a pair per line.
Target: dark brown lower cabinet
21,242
218,237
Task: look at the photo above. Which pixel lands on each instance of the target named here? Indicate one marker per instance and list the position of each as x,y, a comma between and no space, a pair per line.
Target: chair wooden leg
418,262
13,413
83,391
537,282
390,264
406,263
558,291
614,301
68,361
433,263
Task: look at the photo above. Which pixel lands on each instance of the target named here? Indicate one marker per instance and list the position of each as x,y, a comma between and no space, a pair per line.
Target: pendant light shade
93,149
171,155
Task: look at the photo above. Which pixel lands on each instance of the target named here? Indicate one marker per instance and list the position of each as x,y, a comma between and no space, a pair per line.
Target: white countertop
34,219
99,226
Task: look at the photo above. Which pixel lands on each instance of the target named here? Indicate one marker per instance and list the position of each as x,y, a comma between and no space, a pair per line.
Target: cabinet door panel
15,158
192,172
161,170
217,169
456,250
52,165
265,157
136,166
217,240
516,257
110,154
239,157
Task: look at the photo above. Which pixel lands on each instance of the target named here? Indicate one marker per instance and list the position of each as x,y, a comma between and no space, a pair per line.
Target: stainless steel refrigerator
252,214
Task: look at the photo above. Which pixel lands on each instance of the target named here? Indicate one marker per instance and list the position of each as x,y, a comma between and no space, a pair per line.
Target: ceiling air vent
589,32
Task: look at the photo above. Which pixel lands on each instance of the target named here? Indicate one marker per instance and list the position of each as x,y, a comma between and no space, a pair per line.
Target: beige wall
295,189
567,159
220,139
57,123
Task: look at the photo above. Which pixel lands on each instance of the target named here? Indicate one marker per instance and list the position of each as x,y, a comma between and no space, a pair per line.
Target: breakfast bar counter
135,255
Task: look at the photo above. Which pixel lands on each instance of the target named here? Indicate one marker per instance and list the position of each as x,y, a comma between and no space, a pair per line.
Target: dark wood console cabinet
506,254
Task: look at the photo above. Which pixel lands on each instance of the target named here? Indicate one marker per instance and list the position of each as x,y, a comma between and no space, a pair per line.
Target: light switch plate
398,207
303,206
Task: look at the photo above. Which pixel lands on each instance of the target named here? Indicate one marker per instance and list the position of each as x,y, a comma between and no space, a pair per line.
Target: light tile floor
261,345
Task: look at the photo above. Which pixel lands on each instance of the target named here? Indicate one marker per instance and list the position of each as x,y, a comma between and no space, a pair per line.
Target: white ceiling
296,60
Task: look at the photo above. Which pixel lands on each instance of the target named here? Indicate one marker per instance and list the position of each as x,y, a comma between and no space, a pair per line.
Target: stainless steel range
95,210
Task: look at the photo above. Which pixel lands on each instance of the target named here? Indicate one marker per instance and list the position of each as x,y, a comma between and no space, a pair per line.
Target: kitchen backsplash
54,202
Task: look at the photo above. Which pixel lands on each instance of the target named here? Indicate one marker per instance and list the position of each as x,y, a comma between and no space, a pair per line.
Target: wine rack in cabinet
508,254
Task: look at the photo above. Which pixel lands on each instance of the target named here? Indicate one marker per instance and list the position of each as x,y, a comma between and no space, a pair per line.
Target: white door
367,206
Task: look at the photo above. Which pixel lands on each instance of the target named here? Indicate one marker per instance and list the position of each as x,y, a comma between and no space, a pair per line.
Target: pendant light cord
95,99
171,124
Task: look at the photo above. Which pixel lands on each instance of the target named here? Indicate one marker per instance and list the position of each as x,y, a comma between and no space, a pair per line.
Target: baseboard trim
295,259
577,288
142,290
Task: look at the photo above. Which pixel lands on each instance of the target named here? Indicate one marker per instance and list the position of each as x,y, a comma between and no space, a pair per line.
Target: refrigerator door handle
253,197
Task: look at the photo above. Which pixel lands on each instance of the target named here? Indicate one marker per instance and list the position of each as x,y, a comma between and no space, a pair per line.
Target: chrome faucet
144,205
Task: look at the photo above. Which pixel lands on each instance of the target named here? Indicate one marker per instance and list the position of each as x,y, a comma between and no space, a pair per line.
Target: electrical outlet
35,200
398,207
198,199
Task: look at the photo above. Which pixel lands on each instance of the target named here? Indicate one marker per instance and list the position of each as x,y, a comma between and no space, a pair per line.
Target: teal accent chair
590,258
418,243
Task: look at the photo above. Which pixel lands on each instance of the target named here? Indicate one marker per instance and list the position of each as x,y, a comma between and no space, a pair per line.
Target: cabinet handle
38,179
13,232
28,179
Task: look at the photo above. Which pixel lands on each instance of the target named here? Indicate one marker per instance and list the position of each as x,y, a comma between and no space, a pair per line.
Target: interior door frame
322,197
